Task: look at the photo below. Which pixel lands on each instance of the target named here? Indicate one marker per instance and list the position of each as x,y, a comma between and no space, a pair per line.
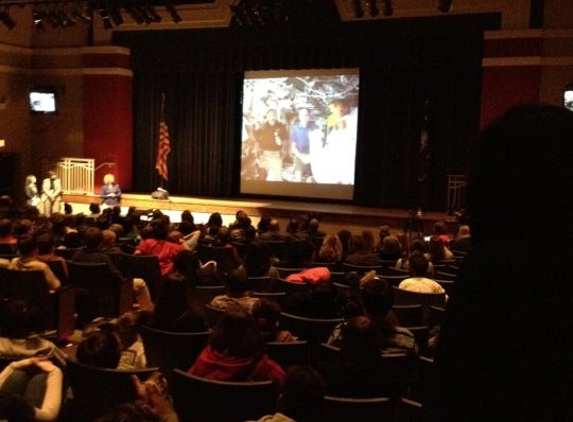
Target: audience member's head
45,242
522,166
27,245
302,398
108,239
266,314
237,282
19,319
369,240
93,237
127,328
100,348
95,208
361,343
331,249
463,231
418,265
237,334
377,297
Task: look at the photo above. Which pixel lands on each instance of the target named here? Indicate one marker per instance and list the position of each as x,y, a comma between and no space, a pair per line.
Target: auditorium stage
333,216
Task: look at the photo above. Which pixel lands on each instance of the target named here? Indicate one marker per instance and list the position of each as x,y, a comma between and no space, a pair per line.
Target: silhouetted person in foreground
504,350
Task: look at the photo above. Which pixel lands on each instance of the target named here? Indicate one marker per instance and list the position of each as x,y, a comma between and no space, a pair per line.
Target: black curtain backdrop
403,65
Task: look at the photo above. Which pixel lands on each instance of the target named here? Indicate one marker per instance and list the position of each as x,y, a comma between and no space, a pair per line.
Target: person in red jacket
236,352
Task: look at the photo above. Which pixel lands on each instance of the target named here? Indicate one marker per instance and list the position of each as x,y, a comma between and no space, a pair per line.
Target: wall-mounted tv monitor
43,100
568,97
299,131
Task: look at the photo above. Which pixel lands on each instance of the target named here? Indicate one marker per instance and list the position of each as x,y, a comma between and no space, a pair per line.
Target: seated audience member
108,242
19,321
349,306
100,348
382,233
391,249
6,232
274,232
504,349
369,241
302,397
176,308
419,281
441,231
264,224
357,253
28,261
267,313
416,248
257,260
360,372
132,351
236,352
92,253
377,299
158,245
32,374
298,254
223,239
46,249
463,240
437,250
331,250
39,382
236,292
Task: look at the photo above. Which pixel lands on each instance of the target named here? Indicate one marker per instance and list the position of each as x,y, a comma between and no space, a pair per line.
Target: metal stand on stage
456,194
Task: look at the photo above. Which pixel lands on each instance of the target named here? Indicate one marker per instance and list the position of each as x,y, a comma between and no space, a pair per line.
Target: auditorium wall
94,86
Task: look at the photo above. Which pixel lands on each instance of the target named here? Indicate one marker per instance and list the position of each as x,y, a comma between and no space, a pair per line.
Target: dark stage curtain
201,114
403,68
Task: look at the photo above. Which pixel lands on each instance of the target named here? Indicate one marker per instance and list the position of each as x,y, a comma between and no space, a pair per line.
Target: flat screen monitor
568,97
43,100
299,133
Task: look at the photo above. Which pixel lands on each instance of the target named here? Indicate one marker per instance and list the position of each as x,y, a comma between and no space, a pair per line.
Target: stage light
135,14
105,18
445,6
115,17
387,8
37,16
173,13
358,11
7,19
82,15
152,14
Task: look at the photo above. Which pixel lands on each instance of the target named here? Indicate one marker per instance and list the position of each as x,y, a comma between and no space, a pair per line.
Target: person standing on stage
110,192
270,139
31,191
51,197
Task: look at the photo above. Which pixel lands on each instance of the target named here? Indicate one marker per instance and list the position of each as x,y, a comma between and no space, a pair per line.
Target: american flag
164,146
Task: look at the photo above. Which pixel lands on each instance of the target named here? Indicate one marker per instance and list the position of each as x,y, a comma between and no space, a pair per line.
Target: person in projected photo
334,162
271,137
304,136
110,192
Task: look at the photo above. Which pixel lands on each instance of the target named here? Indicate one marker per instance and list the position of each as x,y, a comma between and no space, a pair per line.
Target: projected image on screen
299,133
